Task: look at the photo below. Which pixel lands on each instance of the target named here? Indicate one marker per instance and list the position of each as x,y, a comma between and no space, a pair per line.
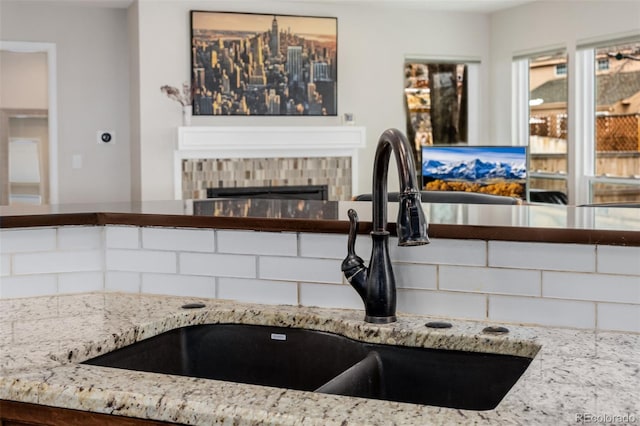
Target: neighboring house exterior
617,101
617,121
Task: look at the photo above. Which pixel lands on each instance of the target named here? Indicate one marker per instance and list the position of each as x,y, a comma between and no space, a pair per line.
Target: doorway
28,124
436,98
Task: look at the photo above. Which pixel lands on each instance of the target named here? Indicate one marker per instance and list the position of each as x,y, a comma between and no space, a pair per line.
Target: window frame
586,55
581,110
521,112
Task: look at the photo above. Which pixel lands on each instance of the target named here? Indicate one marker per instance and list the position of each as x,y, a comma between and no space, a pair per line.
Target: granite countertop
42,341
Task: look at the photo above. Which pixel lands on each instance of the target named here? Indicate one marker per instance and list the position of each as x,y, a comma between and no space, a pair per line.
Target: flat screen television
498,170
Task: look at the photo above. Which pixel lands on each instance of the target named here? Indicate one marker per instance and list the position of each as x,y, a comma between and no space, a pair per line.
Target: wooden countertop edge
24,413
450,231
538,235
57,219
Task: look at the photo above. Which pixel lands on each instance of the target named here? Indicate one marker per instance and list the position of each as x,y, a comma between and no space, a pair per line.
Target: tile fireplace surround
231,157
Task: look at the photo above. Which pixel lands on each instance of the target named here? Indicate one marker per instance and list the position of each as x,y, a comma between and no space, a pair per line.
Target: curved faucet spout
376,284
411,223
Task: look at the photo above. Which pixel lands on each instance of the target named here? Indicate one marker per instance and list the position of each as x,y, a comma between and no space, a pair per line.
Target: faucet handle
354,225
352,264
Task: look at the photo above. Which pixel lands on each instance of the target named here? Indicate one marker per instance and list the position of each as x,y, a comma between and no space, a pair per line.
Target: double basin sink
317,361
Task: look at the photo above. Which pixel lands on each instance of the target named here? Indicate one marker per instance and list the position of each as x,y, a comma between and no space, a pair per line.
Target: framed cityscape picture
259,64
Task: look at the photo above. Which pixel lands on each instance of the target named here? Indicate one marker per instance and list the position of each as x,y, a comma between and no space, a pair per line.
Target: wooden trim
535,235
12,412
463,232
19,221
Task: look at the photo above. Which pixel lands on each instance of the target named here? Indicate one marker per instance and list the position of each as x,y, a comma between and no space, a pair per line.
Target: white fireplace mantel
267,142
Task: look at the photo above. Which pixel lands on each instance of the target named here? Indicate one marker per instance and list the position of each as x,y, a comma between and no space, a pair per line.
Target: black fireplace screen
301,192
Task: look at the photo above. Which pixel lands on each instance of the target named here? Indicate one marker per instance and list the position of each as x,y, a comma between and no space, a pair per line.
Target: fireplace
290,192
211,158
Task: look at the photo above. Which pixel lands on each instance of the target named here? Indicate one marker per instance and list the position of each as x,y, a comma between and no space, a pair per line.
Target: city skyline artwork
261,64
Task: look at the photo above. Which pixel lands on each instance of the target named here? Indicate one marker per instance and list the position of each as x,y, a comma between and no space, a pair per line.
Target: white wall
93,90
134,102
542,25
372,44
23,80
98,60
95,71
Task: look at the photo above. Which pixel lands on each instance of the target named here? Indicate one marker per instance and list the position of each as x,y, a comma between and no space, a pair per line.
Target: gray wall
547,24
102,52
23,80
93,90
372,44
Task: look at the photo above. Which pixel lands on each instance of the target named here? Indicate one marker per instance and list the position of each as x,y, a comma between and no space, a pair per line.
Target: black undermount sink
323,362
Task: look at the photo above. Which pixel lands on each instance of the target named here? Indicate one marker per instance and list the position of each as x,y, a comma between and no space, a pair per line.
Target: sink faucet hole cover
193,305
495,330
438,324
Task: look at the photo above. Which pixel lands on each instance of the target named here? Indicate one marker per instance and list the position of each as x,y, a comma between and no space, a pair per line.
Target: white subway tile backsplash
330,246
178,285
454,305
363,247
552,312
200,240
5,265
80,282
330,296
415,276
85,237
546,256
141,261
300,269
123,237
26,240
618,260
28,286
253,242
550,284
489,280
218,265
258,291
613,316
442,252
127,282
334,246
596,287
57,261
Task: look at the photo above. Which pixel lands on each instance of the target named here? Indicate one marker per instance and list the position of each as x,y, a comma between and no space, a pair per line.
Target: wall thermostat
106,137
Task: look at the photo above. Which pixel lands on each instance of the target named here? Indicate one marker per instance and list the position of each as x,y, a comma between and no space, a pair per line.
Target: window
436,99
595,142
617,121
548,125
561,69
603,64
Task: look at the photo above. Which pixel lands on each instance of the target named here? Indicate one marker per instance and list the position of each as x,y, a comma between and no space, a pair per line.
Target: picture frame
497,170
263,64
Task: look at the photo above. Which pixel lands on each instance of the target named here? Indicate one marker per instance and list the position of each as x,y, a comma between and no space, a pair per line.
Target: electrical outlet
106,137
76,161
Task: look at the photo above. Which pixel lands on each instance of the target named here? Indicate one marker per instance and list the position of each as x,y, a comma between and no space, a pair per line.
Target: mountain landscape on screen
474,170
500,170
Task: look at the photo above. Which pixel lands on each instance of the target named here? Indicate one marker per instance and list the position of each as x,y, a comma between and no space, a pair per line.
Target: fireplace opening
290,192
